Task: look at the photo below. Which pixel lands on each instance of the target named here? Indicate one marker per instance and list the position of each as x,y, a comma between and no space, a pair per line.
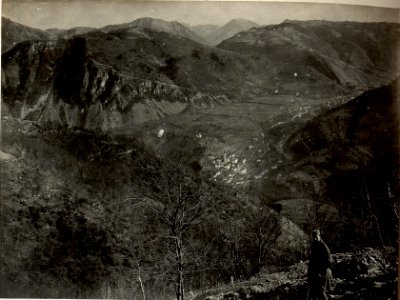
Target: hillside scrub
89,212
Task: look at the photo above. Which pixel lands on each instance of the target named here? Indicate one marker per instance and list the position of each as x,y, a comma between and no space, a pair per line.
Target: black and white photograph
199,150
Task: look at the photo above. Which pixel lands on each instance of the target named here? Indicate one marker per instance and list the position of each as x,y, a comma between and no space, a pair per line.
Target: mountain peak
148,20
171,27
241,22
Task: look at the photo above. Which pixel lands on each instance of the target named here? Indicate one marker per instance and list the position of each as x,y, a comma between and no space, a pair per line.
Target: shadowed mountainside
348,157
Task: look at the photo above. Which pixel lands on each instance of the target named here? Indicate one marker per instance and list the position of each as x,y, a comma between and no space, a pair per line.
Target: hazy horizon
99,13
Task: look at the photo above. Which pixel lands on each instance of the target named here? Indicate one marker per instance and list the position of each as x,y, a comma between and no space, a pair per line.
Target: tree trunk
237,263
259,255
374,219
179,291
141,284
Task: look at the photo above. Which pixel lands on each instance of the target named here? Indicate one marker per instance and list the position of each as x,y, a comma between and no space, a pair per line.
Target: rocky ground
366,274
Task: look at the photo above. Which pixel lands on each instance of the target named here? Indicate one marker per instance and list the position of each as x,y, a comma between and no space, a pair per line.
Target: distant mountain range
205,34
214,35
59,33
107,75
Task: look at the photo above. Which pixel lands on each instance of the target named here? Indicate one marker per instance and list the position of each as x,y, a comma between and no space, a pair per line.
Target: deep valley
137,155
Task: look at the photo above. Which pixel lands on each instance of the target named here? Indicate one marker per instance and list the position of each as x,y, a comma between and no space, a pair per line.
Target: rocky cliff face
61,82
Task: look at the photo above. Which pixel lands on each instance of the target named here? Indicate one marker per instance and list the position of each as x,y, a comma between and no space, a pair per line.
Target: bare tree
266,230
179,198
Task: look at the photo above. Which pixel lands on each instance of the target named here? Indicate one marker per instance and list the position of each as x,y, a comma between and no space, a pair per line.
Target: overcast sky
64,14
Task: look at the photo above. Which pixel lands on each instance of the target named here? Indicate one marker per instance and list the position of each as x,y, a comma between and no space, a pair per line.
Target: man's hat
316,232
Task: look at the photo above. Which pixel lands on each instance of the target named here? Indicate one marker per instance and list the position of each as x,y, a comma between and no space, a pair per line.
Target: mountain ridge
173,27
342,51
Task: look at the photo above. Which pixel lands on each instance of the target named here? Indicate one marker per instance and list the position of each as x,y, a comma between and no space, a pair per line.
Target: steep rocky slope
101,80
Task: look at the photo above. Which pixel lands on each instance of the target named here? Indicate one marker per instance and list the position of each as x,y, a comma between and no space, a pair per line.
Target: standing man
319,268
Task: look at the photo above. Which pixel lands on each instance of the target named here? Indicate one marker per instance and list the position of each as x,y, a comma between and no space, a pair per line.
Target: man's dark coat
319,270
